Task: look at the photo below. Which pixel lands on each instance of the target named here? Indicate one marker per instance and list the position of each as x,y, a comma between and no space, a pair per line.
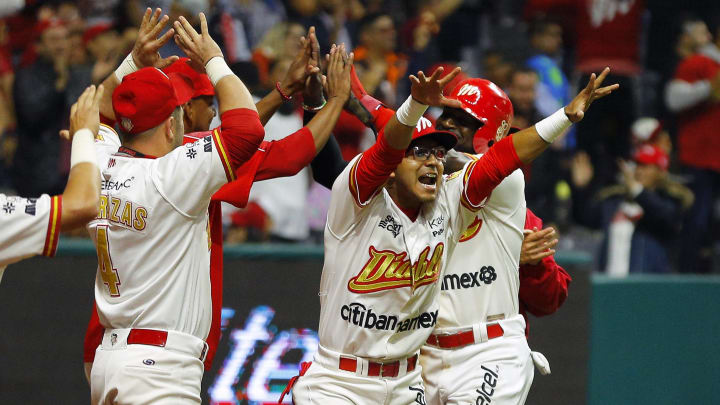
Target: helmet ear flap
480,143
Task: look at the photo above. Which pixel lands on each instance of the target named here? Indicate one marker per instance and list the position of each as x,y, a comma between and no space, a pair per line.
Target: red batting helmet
485,101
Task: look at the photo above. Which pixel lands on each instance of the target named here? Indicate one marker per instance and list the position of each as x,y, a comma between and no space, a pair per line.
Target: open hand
200,48
304,64
575,111
537,245
145,52
428,90
85,113
338,72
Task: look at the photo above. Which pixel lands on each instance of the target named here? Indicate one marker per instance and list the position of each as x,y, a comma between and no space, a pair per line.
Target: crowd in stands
643,169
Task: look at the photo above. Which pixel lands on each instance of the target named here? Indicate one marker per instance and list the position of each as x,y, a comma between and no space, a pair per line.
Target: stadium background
631,339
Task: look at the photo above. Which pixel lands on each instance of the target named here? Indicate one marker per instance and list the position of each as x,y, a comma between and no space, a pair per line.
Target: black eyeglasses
422,153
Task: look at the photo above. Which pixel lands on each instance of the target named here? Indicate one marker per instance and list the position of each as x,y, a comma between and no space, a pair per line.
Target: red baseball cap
95,30
144,100
652,155
425,128
200,82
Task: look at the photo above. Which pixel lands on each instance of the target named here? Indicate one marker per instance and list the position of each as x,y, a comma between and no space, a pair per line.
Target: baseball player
376,301
151,231
480,355
543,283
31,226
271,159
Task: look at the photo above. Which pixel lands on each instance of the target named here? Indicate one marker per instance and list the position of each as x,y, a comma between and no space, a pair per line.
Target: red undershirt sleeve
287,156
543,286
241,133
373,169
484,174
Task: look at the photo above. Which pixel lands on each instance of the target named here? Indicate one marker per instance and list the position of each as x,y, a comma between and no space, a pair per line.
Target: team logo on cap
126,124
502,129
471,93
423,124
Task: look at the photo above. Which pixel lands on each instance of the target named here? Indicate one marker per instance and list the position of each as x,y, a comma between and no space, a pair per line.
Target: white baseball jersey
379,286
151,235
481,281
28,227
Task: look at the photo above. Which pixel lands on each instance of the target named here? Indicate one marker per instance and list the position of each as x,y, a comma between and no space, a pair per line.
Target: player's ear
189,114
169,128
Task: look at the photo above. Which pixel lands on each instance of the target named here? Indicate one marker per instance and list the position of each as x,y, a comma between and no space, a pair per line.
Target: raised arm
304,65
144,53
241,130
289,155
531,142
82,193
524,146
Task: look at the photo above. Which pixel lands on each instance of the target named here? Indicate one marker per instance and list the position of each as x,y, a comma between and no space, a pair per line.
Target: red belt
463,338
391,369
150,337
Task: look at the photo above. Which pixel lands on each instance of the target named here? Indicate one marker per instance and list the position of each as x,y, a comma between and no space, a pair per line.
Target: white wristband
83,148
126,67
410,112
553,126
217,68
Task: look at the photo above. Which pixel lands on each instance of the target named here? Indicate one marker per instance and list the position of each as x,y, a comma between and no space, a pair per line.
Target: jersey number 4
107,272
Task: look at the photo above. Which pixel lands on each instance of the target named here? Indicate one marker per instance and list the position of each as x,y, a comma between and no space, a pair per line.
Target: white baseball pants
139,374
498,371
324,383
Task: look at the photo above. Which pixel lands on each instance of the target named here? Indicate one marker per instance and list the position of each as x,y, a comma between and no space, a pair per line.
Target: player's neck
409,205
154,146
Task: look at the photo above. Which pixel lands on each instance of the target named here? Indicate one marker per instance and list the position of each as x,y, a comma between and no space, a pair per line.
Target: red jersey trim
222,151
464,198
355,187
53,230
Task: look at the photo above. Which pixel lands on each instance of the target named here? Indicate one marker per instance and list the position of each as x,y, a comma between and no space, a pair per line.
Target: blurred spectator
640,216
281,42
41,106
378,66
10,7
543,176
238,26
497,68
648,130
608,34
284,199
694,95
553,88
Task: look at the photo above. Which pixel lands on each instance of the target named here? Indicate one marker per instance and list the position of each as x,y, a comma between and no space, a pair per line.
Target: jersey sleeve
237,192
30,226
345,210
107,142
189,175
463,214
508,197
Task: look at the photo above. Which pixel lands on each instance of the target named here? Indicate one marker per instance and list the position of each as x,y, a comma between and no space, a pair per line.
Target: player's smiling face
462,124
417,180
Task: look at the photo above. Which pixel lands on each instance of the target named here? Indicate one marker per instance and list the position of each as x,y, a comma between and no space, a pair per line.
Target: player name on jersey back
151,236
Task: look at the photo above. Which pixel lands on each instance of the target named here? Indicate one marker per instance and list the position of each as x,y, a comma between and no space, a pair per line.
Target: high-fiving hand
85,113
200,48
338,72
145,52
575,111
428,90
